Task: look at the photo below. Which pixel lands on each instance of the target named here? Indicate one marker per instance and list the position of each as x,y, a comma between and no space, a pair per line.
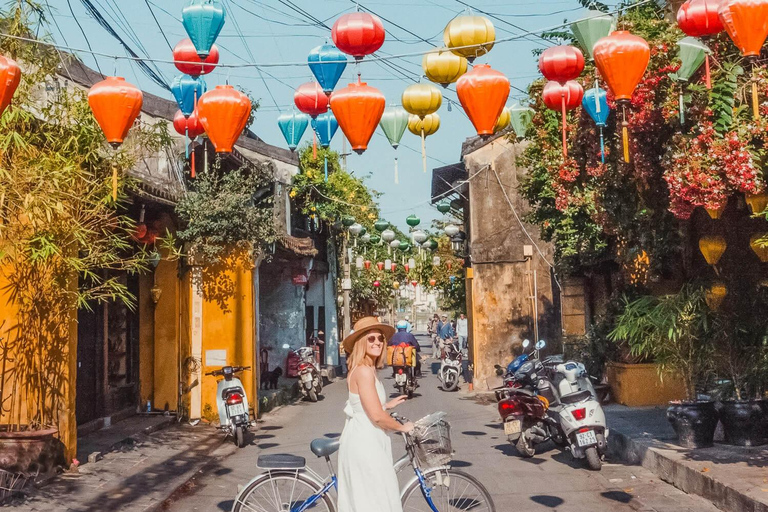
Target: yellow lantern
757,202
469,36
715,295
716,213
427,126
504,120
396,285
443,66
762,252
712,247
422,99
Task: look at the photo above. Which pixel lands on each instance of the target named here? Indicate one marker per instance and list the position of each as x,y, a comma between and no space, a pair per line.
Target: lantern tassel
423,150
597,96
205,155
565,140
707,74
397,176
682,107
114,183
186,140
602,145
326,173
755,102
314,145
192,165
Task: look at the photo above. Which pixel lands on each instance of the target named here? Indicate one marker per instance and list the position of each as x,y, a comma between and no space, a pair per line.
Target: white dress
367,479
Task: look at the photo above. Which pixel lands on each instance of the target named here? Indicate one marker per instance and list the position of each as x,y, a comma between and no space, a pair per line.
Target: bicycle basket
432,440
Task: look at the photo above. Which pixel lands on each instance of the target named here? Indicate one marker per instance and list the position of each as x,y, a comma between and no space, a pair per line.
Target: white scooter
450,367
581,416
232,403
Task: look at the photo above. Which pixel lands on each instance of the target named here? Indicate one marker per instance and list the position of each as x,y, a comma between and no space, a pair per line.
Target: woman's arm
365,379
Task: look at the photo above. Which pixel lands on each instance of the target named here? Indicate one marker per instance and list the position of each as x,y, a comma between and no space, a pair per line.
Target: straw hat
363,327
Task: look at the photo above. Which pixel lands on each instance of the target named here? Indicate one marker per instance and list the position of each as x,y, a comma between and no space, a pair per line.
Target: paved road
549,481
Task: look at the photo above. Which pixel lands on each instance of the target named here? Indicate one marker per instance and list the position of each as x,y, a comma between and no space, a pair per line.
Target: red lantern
563,97
187,60
310,99
10,76
561,63
116,105
432,282
380,265
189,126
449,264
358,109
407,267
224,113
367,264
376,284
746,21
358,34
140,231
699,18
393,267
414,283
622,59
483,93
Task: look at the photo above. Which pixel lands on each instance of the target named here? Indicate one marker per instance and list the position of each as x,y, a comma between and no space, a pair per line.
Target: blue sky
280,31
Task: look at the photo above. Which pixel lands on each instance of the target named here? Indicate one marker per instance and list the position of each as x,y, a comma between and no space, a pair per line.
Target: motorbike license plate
586,438
236,410
306,377
400,378
512,427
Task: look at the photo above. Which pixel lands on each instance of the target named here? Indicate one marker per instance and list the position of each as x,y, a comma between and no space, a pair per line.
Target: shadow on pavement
226,505
620,496
548,501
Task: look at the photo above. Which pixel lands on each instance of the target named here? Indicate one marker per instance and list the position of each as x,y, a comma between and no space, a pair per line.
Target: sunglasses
375,337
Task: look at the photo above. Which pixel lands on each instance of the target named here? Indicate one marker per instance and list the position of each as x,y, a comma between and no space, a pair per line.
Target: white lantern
395,244
359,262
436,261
388,235
412,263
355,229
419,237
451,230
365,238
388,265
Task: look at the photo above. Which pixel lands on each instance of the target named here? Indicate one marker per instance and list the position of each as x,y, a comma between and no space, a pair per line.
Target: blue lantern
595,102
325,125
293,126
187,91
327,64
203,21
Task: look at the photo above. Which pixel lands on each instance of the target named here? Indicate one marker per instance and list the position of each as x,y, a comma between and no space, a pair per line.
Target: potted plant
673,331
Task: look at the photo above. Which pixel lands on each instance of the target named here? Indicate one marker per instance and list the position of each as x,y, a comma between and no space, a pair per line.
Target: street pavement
551,480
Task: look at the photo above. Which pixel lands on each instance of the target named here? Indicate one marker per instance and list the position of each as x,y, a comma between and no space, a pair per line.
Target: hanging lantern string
397,177
707,75
625,133
326,167
602,145
755,100
423,149
565,121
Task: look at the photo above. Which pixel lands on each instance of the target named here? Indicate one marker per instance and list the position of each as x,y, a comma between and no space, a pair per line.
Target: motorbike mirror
540,344
526,343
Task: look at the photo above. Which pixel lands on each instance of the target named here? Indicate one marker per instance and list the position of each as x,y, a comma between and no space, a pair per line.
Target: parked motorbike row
552,399
310,378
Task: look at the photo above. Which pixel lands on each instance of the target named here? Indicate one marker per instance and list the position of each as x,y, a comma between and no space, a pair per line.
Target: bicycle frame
332,483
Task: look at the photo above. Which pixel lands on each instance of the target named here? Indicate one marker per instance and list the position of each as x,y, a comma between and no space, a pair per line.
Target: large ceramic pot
30,451
694,423
744,422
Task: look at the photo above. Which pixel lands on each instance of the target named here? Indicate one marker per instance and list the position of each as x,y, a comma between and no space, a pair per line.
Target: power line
158,24
87,42
501,20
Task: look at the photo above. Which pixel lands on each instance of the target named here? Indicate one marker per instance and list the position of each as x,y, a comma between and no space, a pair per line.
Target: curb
96,456
682,476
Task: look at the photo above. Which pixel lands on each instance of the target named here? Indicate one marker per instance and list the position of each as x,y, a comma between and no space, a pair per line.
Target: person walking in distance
462,331
433,328
367,478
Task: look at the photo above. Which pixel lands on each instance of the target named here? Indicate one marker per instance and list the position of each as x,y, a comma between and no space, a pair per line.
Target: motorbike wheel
450,381
312,395
526,448
593,459
401,390
410,393
239,437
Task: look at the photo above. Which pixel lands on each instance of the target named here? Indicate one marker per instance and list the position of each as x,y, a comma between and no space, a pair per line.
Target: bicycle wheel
282,492
451,491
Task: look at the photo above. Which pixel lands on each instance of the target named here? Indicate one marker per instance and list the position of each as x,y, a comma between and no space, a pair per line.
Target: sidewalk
734,478
138,467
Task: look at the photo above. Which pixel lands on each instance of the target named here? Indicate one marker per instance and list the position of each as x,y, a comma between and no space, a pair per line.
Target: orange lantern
224,112
115,104
358,109
716,213
432,282
757,202
715,295
483,93
758,248
622,59
367,264
380,265
10,76
712,247
414,283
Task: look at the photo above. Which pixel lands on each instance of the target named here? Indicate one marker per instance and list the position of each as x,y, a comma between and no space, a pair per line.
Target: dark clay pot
30,452
694,423
743,422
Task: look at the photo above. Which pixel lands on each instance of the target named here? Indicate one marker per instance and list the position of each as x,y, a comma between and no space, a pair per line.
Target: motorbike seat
281,461
522,391
324,447
578,396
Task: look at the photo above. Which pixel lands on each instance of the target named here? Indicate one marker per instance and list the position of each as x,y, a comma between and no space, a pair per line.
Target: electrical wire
87,42
503,21
158,24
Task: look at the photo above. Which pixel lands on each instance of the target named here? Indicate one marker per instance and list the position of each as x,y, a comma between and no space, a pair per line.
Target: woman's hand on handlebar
406,427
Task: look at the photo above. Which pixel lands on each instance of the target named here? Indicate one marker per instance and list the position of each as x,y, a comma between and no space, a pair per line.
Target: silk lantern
203,21
746,22
757,202
444,206
443,67
520,118
376,283
504,120
358,109
693,53
358,34
10,76
424,127
712,247
186,90
115,104
310,99
561,63
327,63
293,126
367,264
422,100
187,60
469,36
699,18
381,225
483,93
622,59
595,102
380,265
715,295
224,112
758,248
563,97
589,30
191,128
413,221
393,123
325,126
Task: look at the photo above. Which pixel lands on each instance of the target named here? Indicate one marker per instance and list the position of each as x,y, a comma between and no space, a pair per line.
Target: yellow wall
166,337
146,339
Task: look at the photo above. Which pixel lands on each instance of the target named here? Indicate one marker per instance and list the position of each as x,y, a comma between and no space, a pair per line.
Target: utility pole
533,289
346,286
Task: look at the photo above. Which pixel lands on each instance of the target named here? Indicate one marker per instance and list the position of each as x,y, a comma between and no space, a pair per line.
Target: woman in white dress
367,479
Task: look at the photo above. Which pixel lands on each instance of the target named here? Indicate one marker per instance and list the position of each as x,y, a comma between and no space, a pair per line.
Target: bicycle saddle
324,447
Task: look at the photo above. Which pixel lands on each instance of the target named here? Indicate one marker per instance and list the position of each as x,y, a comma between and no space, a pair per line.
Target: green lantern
692,55
405,247
375,239
381,225
363,231
393,123
413,221
347,221
589,30
521,118
433,245
444,206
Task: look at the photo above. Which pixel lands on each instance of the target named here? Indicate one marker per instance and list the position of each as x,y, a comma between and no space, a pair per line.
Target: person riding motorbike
445,334
403,336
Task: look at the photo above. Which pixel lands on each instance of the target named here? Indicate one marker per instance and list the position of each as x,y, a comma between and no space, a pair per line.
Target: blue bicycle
288,485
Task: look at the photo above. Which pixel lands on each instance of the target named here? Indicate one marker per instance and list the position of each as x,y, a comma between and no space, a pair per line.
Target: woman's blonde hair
360,350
